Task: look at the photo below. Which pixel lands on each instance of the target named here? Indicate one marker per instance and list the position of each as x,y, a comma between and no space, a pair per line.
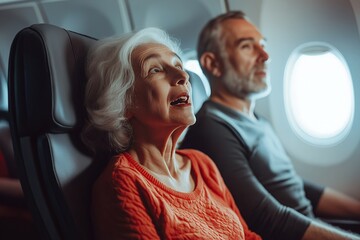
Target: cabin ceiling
182,19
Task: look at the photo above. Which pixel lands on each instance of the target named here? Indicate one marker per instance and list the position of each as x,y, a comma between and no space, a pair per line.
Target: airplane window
194,66
319,94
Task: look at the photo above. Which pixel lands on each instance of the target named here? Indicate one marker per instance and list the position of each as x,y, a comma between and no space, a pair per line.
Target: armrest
349,225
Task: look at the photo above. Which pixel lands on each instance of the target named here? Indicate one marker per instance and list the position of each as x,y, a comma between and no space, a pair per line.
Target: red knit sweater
129,203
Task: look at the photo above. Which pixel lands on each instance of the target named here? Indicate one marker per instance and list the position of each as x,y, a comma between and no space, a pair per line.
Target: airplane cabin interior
46,172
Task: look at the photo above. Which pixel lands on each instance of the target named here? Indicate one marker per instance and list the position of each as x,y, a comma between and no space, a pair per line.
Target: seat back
6,148
46,88
46,82
10,188
199,95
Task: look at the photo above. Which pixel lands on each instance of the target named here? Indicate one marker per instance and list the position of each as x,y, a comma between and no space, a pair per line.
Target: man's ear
209,61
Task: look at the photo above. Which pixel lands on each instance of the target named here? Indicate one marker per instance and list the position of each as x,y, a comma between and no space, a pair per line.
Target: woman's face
162,92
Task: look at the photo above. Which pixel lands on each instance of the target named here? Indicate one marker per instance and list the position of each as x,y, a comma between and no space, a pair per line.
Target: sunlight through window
320,96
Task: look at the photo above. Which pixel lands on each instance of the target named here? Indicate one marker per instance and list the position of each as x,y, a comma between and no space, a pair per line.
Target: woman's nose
181,77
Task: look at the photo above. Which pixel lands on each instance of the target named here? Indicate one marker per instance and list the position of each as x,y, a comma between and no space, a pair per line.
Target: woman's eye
155,70
179,67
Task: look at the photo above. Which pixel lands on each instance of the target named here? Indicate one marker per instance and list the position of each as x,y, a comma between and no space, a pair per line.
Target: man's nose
263,55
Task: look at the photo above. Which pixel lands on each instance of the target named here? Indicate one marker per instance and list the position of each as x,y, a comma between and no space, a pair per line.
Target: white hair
109,89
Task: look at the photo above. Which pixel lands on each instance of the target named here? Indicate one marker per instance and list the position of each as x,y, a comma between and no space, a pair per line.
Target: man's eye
154,70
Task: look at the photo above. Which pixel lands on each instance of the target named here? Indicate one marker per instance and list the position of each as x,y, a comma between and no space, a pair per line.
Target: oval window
319,94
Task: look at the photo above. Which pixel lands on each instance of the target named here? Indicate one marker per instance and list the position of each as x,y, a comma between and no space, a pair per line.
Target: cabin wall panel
356,6
181,19
13,18
98,19
334,22
250,8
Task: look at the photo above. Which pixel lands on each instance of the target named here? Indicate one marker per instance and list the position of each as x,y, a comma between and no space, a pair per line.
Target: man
271,196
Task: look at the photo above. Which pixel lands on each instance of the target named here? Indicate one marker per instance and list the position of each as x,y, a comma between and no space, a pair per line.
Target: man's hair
210,36
109,89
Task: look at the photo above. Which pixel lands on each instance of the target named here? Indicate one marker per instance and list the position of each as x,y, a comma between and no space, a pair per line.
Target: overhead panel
182,19
252,8
13,19
98,19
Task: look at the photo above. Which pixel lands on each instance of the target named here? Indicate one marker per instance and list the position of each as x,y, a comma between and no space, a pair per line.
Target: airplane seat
46,88
3,125
10,187
15,219
6,149
11,193
199,95
46,82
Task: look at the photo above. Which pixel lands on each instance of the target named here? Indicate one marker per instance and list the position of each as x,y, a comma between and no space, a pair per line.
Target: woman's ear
209,61
130,105
128,112
128,115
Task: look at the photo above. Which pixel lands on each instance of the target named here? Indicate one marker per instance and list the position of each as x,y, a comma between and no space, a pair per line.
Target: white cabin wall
251,8
91,17
356,7
12,19
98,19
181,19
334,22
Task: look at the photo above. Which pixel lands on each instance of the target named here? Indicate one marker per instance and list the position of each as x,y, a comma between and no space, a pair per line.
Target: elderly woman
138,99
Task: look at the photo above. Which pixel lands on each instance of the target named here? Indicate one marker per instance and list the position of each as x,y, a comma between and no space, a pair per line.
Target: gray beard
243,88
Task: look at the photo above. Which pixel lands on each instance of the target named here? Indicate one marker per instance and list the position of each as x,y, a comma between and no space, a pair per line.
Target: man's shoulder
209,121
211,128
212,114
215,123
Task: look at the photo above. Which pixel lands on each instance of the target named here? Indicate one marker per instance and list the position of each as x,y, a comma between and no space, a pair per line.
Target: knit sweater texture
129,203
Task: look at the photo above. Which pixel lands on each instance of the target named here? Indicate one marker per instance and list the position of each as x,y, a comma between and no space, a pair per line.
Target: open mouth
182,100
260,72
